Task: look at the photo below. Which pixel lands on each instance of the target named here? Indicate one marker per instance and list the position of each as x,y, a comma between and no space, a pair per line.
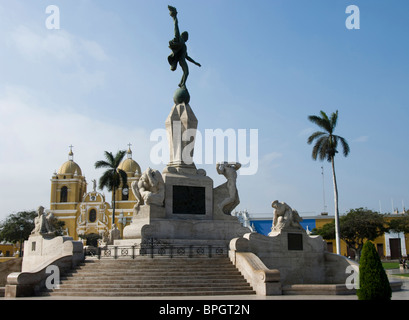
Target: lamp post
122,220
21,240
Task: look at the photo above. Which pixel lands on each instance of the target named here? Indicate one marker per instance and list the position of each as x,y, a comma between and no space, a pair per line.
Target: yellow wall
380,240
10,248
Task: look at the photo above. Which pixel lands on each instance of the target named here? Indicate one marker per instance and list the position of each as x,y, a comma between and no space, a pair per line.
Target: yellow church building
87,212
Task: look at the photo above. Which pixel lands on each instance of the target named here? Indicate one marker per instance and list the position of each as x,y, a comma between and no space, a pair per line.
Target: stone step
137,264
149,281
157,269
149,278
161,273
151,289
154,277
151,294
157,262
159,285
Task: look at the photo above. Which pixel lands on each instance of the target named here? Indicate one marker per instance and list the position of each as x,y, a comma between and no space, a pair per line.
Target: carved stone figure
229,170
94,185
149,189
285,216
42,223
179,49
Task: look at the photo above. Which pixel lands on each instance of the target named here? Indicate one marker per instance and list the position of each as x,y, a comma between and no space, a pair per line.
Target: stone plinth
143,217
181,126
38,250
153,222
300,258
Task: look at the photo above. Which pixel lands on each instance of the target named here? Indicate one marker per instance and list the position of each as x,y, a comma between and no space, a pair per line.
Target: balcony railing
155,248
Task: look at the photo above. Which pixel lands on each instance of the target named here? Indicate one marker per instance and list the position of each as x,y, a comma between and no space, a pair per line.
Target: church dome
129,165
70,167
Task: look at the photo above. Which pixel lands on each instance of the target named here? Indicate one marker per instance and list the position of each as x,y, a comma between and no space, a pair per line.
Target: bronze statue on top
179,50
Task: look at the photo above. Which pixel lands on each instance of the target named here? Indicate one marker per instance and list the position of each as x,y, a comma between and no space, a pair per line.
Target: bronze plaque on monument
189,200
294,241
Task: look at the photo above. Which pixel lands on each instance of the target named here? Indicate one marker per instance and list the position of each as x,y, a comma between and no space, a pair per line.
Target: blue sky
102,81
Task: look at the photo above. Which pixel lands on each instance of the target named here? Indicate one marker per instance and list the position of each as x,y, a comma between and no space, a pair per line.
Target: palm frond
109,157
106,180
124,176
345,146
314,136
317,150
334,119
323,122
102,164
119,157
324,116
325,149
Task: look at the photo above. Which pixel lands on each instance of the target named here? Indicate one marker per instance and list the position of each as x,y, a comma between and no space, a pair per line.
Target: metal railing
156,248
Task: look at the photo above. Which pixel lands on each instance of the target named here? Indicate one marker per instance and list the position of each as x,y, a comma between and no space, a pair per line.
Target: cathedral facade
87,212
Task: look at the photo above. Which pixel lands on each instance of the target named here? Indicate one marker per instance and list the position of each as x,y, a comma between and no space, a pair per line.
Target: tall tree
325,148
113,177
400,224
17,226
356,227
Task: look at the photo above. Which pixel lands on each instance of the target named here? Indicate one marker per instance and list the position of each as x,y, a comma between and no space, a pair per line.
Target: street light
21,240
122,220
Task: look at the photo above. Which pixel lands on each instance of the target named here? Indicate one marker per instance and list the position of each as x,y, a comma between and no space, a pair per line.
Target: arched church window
64,194
92,215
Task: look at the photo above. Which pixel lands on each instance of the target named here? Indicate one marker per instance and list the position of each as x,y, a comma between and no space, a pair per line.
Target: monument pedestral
299,257
39,249
189,211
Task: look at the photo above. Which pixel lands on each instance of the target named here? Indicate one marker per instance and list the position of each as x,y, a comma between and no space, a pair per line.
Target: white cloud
56,44
269,159
74,61
94,50
35,143
361,139
306,132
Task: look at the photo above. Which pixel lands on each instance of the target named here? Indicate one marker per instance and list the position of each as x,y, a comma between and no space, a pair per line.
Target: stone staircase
153,277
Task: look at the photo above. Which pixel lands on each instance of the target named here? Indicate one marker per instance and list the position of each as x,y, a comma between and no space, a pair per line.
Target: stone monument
43,245
180,206
300,258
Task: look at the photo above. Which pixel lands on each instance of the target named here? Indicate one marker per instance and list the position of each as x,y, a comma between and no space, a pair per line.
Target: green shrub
373,281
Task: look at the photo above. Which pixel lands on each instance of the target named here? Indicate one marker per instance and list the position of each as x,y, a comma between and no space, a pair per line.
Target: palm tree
325,147
113,177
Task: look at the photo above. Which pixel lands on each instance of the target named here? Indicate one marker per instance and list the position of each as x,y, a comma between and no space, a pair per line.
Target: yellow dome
130,166
70,167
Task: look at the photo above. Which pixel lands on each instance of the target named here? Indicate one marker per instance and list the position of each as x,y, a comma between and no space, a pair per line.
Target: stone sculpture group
285,217
43,223
149,189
